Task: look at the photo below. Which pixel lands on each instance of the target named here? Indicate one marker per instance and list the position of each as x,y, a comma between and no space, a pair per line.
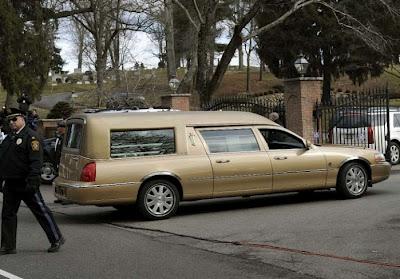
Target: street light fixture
174,84
301,64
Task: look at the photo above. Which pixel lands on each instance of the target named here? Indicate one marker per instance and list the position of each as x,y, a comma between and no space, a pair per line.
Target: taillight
370,135
330,136
88,173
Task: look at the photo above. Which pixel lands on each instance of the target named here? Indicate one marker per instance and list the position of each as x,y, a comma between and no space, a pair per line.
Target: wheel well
396,141
361,162
171,179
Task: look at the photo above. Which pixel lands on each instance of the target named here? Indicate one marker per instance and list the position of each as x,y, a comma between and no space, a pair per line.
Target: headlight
379,158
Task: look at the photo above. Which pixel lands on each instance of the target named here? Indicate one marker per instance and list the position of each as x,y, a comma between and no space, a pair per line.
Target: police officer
20,167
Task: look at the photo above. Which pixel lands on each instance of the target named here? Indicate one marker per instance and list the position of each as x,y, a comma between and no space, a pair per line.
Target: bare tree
105,23
207,87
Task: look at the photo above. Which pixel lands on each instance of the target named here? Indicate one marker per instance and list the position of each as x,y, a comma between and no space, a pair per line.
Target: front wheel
158,199
394,153
352,181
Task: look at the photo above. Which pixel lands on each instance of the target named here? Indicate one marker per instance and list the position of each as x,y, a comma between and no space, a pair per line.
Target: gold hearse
154,160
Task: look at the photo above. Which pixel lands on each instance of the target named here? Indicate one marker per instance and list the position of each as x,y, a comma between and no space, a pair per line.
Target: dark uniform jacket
21,156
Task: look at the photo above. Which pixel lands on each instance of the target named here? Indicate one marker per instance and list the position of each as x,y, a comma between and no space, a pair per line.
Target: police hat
24,99
61,124
14,112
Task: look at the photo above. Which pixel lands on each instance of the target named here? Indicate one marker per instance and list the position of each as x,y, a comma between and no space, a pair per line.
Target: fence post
300,97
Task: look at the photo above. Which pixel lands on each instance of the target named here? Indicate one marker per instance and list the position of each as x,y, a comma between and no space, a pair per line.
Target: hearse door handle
75,158
222,161
280,158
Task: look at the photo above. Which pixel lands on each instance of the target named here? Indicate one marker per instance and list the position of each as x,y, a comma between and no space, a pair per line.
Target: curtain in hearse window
230,140
142,143
74,135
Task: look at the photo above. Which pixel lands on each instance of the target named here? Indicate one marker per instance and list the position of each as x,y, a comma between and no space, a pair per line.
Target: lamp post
301,64
174,84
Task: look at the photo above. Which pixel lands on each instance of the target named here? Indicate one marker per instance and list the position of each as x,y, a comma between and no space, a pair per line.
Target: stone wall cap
304,79
178,95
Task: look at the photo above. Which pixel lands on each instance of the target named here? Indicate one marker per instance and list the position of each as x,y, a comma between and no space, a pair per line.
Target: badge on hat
35,145
19,141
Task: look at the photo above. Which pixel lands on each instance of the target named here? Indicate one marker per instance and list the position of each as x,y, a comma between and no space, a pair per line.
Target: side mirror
308,144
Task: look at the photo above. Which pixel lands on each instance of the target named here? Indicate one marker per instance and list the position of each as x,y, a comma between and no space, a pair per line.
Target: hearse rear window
74,135
142,143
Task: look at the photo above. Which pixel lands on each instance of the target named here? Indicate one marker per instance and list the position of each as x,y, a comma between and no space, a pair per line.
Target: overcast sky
141,49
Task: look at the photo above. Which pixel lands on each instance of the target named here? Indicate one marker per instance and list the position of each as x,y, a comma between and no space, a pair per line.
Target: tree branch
196,26
297,6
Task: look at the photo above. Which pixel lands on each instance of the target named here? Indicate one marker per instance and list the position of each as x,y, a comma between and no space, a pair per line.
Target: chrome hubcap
159,200
394,154
48,172
356,180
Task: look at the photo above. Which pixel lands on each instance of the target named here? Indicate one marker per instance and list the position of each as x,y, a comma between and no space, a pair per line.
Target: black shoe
56,246
5,251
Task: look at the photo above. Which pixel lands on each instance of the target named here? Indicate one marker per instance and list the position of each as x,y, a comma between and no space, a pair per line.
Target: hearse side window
74,135
277,139
233,140
142,143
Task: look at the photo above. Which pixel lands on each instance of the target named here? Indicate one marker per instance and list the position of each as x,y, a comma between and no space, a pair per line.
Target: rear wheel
394,153
352,181
158,199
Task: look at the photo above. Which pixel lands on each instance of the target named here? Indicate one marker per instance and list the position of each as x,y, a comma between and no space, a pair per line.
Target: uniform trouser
13,193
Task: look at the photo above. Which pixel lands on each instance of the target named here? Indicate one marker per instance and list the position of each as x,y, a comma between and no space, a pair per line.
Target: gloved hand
32,184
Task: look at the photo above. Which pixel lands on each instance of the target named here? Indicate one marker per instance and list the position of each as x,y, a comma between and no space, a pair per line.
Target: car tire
352,181
394,153
48,172
158,199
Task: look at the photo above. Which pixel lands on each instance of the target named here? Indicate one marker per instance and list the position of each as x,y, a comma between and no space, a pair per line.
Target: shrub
60,110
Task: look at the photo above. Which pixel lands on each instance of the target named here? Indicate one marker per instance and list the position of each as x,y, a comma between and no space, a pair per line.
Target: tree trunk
186,85
116,46
248,68
234,43
100,69
202,69
80,52
326,84
240,50
169,31
260,73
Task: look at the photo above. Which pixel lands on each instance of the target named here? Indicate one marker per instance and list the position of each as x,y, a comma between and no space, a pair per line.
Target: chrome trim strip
301,171
75,185
243,175
167,173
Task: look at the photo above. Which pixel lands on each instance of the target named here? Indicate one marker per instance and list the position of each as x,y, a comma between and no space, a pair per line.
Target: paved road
280,236
48,102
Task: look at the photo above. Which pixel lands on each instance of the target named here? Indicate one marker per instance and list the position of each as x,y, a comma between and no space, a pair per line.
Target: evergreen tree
331,49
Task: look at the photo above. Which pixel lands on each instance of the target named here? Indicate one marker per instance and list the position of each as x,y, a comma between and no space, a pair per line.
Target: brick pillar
176,101
301,94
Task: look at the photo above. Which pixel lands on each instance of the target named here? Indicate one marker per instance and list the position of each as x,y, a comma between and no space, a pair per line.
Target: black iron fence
358,119
262,105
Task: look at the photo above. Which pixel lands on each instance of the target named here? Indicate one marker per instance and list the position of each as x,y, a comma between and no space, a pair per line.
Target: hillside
152,84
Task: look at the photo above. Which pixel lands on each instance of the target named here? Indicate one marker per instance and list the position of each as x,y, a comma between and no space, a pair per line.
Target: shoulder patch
35,145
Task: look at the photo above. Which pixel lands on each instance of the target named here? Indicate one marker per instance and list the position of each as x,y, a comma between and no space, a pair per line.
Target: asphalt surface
275,236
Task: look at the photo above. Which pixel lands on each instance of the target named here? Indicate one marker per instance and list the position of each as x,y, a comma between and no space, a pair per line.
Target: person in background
59,141
274,116
20,168
58,147
33,119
